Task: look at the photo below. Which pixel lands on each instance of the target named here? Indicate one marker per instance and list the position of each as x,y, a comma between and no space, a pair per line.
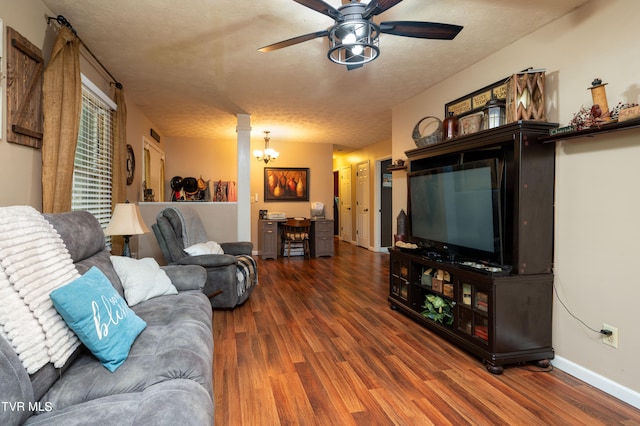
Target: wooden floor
317,344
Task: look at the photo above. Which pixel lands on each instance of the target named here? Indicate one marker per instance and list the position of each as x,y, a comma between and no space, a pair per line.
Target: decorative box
426,278
447,289
525,96
436,284
439,279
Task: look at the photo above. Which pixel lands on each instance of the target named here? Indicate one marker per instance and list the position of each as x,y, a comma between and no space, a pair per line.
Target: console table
320,239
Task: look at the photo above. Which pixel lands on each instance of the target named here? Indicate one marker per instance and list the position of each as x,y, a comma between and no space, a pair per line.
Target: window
92,174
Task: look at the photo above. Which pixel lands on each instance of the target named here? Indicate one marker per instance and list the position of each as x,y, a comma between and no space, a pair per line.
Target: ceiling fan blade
321,6
432,30
353,67
295,40
376,7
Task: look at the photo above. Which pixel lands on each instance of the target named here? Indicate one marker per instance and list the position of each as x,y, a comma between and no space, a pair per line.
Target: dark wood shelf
514,327
512,324
499,135
593,131
395,168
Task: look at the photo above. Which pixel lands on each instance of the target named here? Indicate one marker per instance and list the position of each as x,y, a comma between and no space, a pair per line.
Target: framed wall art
474,102
286,184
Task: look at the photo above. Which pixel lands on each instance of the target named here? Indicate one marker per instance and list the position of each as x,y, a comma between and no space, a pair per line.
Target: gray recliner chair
231,277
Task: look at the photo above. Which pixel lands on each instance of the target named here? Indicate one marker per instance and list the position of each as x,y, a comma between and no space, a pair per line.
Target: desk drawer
268,239
270,225
324,228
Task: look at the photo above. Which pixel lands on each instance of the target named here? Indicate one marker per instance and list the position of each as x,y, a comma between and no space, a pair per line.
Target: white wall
315,156
21,166
597,196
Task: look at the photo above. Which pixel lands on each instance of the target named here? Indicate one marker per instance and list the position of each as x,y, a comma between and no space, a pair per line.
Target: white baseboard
614,389
380,249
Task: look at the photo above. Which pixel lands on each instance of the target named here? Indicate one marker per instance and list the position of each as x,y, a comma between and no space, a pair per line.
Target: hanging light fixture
268,154
354,40
354,37
354,43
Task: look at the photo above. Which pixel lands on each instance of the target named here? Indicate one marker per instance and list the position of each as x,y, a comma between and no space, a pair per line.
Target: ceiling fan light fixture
353,39
349,39
354,42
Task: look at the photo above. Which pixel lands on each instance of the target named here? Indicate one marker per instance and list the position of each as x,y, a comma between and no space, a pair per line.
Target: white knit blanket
33,262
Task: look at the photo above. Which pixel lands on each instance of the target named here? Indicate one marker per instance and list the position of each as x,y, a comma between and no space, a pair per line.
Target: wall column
244,177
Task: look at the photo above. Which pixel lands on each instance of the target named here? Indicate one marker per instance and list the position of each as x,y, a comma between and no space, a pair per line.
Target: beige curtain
119,179
62,97
119,190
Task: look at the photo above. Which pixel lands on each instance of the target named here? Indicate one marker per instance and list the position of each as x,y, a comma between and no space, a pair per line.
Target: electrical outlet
611,340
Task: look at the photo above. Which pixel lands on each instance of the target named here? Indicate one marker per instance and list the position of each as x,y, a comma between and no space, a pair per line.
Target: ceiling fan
353,38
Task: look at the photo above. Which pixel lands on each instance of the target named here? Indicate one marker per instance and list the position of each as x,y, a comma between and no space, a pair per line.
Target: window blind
92,176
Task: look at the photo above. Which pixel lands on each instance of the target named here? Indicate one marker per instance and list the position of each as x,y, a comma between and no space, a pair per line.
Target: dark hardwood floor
317,344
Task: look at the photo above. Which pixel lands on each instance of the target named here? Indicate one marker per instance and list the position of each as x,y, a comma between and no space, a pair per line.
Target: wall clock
131,164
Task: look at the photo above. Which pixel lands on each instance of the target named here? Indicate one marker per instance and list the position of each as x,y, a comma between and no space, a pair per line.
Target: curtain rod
63,22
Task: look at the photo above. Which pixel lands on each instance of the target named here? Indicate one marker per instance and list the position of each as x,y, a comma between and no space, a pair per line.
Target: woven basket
427,123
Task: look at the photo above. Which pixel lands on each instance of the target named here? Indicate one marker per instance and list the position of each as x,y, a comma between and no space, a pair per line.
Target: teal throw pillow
99,316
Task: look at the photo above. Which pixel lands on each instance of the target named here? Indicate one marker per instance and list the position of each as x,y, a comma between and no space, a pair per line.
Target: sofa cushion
99,316
186,277
78,231
174,402
176,344
84,238
142,279
15,387
170,242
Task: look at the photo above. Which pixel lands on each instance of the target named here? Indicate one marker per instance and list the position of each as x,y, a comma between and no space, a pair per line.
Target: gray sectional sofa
166,378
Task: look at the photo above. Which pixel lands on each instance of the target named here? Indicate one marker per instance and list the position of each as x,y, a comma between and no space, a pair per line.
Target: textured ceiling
192,65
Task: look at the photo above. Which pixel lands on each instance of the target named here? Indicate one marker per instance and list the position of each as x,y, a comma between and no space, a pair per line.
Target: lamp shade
126,220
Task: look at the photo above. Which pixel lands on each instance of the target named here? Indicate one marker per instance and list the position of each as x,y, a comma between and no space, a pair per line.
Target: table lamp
126,221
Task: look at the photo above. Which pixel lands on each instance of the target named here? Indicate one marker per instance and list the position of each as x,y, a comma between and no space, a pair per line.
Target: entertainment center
480,210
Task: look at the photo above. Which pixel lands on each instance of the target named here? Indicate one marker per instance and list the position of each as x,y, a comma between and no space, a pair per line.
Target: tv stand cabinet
501,319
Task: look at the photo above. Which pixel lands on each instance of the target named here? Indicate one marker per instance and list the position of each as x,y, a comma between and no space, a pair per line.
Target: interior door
345,204
386,195
362,203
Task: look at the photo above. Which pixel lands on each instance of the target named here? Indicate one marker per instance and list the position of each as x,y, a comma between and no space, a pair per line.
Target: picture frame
286,184
475,101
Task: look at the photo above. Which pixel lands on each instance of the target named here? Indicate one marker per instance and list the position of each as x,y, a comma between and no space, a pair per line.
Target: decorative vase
450,127
300,188
402,223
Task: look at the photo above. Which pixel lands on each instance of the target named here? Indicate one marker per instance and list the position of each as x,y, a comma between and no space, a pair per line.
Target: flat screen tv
454,211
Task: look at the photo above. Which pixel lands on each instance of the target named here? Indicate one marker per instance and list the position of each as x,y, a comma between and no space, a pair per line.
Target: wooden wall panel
25,69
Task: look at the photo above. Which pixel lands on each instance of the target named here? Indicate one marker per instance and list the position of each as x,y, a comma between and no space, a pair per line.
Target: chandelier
268,154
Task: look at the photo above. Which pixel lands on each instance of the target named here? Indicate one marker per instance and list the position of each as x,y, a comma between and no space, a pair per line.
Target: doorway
152,171
345,204
386,197
336,202
363,219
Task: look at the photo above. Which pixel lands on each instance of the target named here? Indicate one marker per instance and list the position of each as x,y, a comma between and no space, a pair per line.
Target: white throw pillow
210,247
142,279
